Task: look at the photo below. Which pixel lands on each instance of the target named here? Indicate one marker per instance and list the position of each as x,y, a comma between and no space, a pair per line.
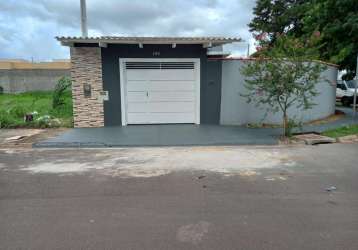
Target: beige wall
14,64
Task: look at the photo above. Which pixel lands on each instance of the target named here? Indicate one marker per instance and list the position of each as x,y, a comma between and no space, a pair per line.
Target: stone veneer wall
87,68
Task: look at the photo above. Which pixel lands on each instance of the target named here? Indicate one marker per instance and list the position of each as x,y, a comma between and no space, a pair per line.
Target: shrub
58,97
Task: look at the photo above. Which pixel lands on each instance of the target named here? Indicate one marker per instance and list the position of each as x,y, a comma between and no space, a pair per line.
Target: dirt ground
29,136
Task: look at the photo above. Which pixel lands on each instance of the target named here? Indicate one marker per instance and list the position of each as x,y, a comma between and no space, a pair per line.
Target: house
163,80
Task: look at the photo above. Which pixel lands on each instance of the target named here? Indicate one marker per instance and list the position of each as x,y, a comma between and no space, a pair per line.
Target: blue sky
28,27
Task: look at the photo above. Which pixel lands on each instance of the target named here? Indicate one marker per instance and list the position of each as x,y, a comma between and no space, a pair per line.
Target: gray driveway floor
177,135
162,135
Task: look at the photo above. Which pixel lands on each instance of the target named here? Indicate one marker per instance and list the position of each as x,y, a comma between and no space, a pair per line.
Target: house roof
104,40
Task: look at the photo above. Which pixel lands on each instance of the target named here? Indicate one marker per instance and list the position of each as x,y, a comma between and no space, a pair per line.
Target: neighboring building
154,80
18,75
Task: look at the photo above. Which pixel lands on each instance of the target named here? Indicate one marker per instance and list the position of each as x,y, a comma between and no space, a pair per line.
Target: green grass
342,131
13,107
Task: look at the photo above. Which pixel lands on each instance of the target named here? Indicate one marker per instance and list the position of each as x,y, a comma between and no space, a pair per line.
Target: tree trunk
285,124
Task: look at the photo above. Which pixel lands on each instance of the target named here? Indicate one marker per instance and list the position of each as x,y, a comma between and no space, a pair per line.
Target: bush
58,97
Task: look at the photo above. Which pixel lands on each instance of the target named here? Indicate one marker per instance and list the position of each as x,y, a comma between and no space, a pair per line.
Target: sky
28,27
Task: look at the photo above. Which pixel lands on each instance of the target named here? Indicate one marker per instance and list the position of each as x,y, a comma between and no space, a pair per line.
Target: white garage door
160,91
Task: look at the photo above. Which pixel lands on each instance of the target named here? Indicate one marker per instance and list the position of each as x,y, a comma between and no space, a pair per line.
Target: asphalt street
180,198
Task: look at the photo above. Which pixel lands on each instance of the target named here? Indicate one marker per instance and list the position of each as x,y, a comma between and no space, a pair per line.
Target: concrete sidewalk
179,135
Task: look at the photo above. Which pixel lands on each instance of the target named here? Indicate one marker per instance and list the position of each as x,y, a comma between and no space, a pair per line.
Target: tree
283,77
335,20
273,17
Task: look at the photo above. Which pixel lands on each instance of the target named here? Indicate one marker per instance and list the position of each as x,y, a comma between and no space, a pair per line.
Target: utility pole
84,19
248,50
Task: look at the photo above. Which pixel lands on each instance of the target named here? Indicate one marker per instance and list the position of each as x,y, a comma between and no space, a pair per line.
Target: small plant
1,90
58,97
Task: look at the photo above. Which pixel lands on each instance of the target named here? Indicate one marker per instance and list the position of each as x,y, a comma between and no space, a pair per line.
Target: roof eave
204,42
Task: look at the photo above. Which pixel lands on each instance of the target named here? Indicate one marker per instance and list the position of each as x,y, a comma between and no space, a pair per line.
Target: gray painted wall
210,84
23,80
5,80
210,94
235,110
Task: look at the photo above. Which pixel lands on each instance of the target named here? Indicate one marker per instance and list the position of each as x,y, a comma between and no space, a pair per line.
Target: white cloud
28,27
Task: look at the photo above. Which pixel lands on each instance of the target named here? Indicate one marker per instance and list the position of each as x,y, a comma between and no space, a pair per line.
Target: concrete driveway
180,135
180,198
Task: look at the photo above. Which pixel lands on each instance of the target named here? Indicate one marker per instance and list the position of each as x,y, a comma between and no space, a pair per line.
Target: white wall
236,111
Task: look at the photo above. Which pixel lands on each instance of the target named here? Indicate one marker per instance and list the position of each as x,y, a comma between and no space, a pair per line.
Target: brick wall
87,69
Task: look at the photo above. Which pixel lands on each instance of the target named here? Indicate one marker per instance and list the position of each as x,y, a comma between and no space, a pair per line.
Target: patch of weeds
342,131
13,108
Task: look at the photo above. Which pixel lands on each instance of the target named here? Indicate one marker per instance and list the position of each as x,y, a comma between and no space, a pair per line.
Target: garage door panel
137,85
161,74
158,107
137,96
171,86
171,96
160,96
140,74
155,85
157,118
